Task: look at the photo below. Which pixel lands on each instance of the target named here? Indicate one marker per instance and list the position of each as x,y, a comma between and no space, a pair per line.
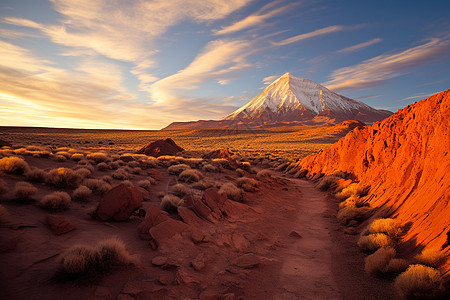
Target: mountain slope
405,159
292,101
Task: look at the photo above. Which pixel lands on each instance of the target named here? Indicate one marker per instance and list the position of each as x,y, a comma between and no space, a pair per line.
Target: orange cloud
304,36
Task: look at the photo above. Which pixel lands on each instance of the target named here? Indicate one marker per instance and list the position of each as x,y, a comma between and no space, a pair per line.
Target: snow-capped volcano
292,99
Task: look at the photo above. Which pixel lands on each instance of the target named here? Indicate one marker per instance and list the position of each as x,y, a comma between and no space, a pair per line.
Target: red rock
233,208
295,234
214,200
247,261
221,153
153,217
209,295
199,262
167,229
155,174
184,276
59,225
103,293
119,203
165,279
189,217
126,158
159,261
405,159
160,148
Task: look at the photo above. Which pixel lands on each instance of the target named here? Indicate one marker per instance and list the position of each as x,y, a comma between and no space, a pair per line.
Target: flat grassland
285,143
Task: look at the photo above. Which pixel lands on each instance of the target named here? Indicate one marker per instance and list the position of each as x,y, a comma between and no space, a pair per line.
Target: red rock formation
160,147
405,160
221,153
119,203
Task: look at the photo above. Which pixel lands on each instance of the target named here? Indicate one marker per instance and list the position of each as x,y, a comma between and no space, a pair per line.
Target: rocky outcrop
119,203
160,148
405,160
221,153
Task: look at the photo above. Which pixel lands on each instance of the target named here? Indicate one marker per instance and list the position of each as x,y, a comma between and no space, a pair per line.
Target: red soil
405,160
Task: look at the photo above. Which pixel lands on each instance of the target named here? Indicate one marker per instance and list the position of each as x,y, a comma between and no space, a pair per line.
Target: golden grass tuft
177,169
98,157
190,175
13,165
327,182
432,257
247,184
348,213
354,189
387,226
377,262
419,282
56,201
170,202
231,191
374,241
36,174
64,177
82,193
77,156
23,191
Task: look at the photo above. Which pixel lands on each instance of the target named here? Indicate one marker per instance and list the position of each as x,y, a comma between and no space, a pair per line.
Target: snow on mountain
295,99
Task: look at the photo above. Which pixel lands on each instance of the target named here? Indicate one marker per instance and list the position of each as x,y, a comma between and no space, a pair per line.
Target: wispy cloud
269,79
360,46
256,19
417,96
378,70
304,36
217,61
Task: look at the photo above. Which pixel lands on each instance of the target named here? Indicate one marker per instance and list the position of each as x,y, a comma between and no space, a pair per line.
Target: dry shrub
193,162
339,173
83,172
23,191
77,156
13,165
349,213
145,184
166,160
388,226
354,189
240,172
55,201
4,189
64,177
374,241
352,201
102,166
84,260
82,193
177,169
36,174
136,170
59,158
377,262
108,179
121,174
209,168
133,164
231,191
396,266
190,175
149,163
97,157
98,186
3,213
128,183
170,202
179,190
327,182
248,184
202,185
432,257
67,155
418,282
114,165
264,174
115,157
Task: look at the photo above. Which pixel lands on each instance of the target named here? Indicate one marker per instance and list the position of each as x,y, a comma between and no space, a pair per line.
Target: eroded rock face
406,161
59,225
160,147
221,153
119,203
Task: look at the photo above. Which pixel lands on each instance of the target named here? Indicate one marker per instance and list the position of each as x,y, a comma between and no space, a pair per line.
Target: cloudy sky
136,64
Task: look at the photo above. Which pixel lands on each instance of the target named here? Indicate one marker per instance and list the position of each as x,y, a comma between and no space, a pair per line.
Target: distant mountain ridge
292,101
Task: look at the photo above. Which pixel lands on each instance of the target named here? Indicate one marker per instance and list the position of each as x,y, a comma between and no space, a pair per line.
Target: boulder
247,261
59,225
153,217
214,200
166,230
119,203
189,217
160,148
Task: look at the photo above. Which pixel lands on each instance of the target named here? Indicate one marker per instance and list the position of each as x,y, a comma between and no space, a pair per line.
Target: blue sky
144,64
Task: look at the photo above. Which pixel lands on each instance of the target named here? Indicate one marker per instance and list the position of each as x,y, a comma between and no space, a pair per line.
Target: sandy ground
287,230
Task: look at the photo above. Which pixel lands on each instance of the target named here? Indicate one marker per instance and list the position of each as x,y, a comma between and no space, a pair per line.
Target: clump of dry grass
388,226
55,201
82,193
36,174
240,172
432,257
107,178
59,158
170,202
149,163
83,172
64,177
77,156
209,168
97,185
327,182
145,184
374,241
190,175
264,174
102,167
177,169
354,189
247,184
246,166
346,214
352,201
97,157
67,155
133,164
231,191
179,190
202,185
114,165
136,170
418,282
23,191
3,214
121,174
128,183
377,262
4,189
84,260
13,165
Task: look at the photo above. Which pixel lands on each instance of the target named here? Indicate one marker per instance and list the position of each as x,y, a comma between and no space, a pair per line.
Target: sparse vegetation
202,185
23,191
97,157
418,282
83,172
264,174
82,193
346,214
170,202
432,257
352,201
13,165
36,174
374,241
145,184
64,177
327,182
102,166
209,168
177,169
77,156
190,175
247,184
179,190
121,174
354,189
231,191
388,226
377,263
56,201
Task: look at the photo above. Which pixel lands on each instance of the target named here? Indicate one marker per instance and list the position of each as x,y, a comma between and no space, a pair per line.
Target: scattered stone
102,292
165,279
126,158
294,234
214,200
197,236
247,261
183,276
350,231
160,148
209,295
119,203
167,229
59,225
189,217
159,261
199,262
